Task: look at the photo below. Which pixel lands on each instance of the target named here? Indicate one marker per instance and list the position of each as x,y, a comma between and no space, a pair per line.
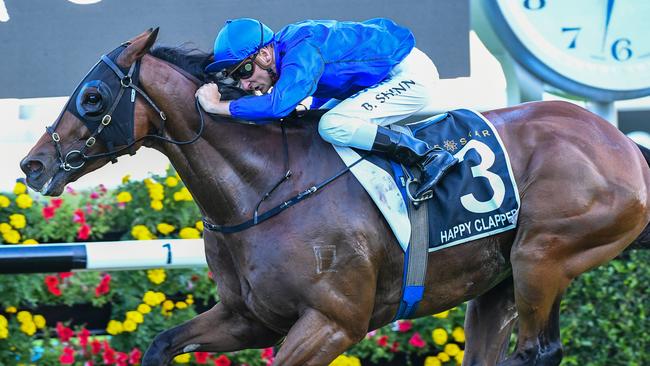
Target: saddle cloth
478,197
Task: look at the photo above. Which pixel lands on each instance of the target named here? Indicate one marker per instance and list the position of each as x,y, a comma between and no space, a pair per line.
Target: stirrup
425,196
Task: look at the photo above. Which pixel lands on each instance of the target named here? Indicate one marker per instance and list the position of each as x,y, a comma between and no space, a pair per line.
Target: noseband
75,159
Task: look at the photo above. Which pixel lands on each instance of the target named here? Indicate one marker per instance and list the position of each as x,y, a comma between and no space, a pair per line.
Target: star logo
450,145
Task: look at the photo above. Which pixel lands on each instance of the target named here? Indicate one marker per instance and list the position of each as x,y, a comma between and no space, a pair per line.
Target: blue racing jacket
327,59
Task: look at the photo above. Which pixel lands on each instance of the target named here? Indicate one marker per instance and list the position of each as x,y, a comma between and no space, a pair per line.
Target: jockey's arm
210,99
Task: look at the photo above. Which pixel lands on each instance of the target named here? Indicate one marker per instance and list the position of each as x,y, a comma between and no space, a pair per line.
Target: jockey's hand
209,97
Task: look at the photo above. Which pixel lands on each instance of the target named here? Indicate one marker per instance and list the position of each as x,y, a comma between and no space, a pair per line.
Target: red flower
382,341
134,356
222,360
104,286
48,212
89,363
109,354
267,353
67,357
417,341
64,333
84,232
51,281
83,337
201,357
122,359
54,290
56,202
95,347
65,275
78,216
395,347
94,195
404,325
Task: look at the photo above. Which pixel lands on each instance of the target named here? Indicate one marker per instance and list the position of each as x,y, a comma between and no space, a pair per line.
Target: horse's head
102,120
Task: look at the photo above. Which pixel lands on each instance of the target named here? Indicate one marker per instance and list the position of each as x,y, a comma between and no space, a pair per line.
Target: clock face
594,48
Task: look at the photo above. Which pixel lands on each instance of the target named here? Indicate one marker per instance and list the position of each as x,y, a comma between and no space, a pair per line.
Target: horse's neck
230,166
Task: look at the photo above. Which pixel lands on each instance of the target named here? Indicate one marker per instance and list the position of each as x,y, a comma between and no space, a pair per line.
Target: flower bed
45,318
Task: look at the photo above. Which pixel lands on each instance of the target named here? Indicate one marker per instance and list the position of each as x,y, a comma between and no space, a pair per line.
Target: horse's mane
193,61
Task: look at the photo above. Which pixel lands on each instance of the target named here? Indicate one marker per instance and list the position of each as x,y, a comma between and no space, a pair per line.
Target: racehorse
584,198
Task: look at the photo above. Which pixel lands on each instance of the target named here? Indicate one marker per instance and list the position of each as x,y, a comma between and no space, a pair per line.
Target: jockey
370,74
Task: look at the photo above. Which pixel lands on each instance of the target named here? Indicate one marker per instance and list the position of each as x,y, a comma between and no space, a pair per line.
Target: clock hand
608,17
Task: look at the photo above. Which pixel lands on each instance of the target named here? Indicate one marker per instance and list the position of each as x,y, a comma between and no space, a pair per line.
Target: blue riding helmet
237,40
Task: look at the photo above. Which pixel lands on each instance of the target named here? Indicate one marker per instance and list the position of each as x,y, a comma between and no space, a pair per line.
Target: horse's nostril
31,167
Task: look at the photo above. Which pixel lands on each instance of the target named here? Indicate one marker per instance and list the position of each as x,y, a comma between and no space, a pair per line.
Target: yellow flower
442,315
24,317
199,225
168,305
190,299
150,298
3,321
126,178
40,322
439,336
184,358
4,333
164,228
11,310
114,327
451,349
443,357
4,201
124,197
156,192
129,325
11,236
160,297
4,227
181,305
156,276
17,220
189,233
171,182
141,232
28,328
342,360
24,201
144,309
148,181
432,361
354,361
20,188
135,316
30,241
458,334
459,357
183,195
157,205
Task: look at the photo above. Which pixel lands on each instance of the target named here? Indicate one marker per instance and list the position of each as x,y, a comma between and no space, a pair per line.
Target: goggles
244,69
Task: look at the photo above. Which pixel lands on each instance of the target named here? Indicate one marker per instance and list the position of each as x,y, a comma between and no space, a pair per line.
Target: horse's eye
92,98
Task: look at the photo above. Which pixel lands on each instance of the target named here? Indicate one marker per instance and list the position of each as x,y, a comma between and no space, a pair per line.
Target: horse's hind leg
488,324
216,330
539,283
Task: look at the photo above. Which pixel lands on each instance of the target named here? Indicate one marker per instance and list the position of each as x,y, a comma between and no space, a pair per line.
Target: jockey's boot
410,151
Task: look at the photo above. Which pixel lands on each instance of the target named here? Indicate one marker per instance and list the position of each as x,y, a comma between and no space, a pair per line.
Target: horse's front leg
216,330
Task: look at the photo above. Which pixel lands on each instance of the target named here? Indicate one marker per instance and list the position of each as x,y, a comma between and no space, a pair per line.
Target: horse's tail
643,240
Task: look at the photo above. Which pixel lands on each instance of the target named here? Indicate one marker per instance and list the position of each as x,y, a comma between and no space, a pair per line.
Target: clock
597,49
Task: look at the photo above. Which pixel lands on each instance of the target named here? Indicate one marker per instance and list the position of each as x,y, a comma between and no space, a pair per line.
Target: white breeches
407,89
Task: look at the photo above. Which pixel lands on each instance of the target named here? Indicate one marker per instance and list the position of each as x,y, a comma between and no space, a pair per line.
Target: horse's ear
138,47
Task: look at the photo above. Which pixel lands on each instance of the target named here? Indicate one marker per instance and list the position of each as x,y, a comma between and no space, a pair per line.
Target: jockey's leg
357,121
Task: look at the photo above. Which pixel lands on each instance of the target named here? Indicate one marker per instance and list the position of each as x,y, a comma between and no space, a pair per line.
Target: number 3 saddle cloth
478,197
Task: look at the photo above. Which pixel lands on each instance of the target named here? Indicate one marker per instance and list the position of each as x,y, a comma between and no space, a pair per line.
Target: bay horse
584,199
